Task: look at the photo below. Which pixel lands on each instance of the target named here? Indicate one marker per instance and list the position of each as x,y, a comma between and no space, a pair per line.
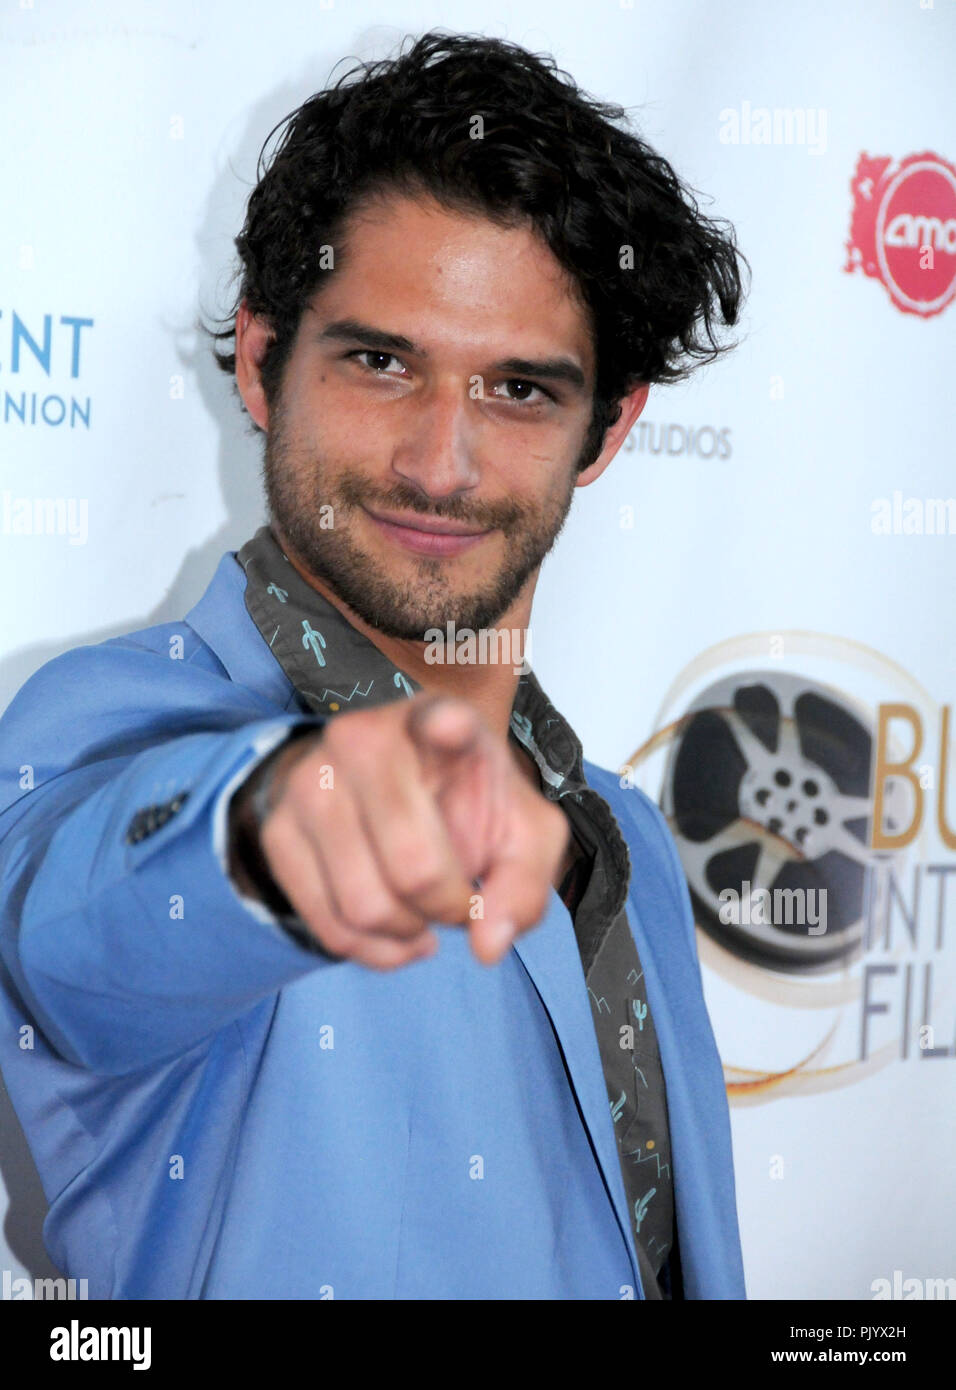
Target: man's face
442,377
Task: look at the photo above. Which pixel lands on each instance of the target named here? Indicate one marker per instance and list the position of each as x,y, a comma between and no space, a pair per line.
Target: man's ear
631,407
253,335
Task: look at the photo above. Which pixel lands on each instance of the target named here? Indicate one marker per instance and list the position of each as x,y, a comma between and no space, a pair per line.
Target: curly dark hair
650,269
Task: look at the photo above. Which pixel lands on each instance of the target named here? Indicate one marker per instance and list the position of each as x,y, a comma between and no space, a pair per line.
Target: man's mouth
427,536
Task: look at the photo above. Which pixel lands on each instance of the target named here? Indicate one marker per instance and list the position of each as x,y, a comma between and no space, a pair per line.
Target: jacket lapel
550,955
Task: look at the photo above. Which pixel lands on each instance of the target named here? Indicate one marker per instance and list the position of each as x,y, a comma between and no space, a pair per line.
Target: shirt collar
334,667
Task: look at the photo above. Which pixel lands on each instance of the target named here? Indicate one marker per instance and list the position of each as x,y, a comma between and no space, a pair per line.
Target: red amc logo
903,229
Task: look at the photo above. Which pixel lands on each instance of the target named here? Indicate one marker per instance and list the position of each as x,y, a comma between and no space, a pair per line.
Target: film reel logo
767,792
771,780
903,229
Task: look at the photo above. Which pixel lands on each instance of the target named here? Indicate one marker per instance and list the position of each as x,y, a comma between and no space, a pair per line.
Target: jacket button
152,818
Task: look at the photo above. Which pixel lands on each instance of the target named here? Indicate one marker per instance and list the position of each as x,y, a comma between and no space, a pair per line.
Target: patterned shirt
335,668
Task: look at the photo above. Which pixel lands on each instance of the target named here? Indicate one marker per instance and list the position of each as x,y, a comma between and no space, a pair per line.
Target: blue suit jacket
217,1113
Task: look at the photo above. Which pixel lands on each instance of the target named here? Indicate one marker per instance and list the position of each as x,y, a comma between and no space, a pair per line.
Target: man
341,972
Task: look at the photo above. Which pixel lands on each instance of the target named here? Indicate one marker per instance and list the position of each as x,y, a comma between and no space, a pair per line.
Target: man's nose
437,449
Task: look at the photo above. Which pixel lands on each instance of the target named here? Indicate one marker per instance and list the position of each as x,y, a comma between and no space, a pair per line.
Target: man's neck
489,685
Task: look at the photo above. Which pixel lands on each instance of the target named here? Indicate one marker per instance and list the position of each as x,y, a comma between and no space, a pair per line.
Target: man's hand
424,800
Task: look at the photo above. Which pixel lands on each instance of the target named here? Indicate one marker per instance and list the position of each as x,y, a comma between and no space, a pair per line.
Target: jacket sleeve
125,938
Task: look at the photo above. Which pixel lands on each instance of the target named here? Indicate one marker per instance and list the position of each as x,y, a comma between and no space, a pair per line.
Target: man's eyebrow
548,368
351,330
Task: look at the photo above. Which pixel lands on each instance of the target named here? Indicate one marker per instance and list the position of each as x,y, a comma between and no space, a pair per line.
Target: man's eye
525,390
379,360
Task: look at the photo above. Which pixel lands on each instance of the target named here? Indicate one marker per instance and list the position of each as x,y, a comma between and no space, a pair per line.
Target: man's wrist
248,808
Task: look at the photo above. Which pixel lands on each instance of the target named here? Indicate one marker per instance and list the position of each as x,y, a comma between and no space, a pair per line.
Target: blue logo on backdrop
50,348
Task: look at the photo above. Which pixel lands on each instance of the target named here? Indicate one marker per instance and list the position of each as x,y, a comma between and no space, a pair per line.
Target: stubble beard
405,602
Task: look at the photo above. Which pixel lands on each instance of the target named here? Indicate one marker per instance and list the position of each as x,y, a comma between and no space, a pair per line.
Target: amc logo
903,229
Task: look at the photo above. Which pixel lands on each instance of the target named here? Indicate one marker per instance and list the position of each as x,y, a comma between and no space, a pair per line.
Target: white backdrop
131,133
